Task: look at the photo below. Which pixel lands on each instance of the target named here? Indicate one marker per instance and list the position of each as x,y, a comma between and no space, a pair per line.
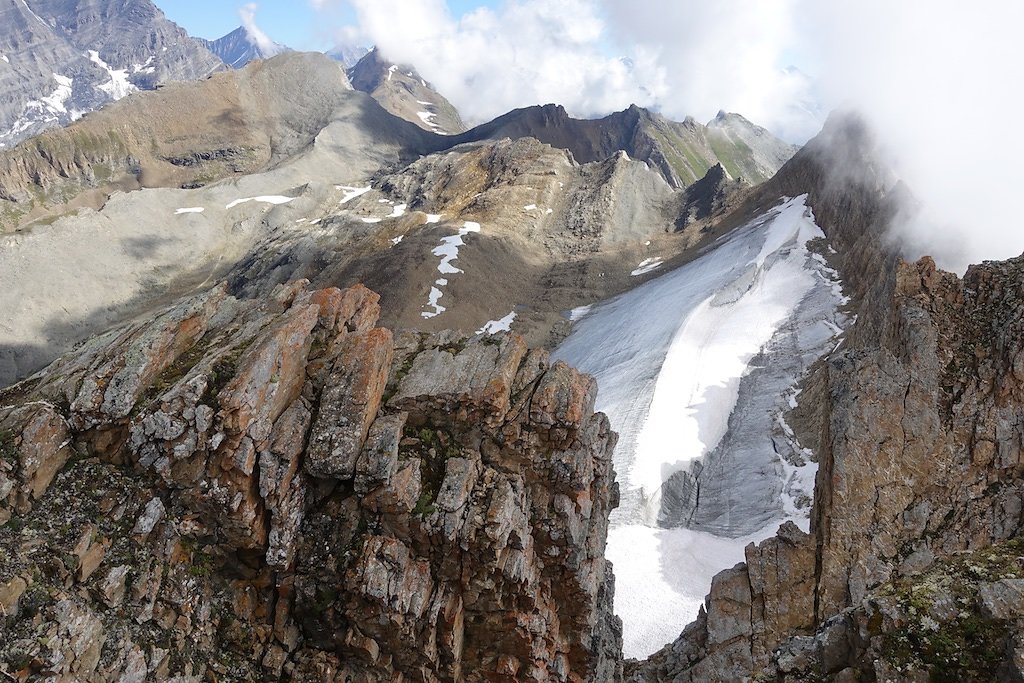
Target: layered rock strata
284,491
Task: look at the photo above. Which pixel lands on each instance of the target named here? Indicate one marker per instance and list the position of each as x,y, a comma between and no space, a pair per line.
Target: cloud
936,79
247,13
488,62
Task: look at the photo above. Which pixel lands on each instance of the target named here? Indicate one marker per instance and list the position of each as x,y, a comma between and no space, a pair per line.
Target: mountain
682,152
61,59
289,394
902,418
71,185
238,48
402,91
348,55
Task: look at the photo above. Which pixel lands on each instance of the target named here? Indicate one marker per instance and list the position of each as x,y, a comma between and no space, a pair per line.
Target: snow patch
578,312
397,211
529,207
391,70
646,266
425,117
49,109
499,325
144,68
396,240
432,302
448,251
5,58
662,576
266,199
433,218
119,85
351,192
189,209
372,220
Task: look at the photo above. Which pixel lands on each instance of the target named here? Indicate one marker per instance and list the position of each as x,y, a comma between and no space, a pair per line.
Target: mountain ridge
63,59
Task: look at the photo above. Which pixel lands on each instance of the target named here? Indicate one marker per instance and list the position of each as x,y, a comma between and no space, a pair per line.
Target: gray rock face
348,55
61,59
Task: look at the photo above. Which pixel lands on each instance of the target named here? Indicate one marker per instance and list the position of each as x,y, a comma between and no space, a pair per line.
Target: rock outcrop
235,490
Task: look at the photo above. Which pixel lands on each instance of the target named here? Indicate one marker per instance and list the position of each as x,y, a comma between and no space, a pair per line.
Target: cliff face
919,430
236,491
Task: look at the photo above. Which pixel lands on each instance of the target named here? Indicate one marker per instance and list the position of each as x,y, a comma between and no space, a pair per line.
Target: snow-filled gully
696,369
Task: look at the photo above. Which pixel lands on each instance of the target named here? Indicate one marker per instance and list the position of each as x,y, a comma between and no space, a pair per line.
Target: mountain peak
244,44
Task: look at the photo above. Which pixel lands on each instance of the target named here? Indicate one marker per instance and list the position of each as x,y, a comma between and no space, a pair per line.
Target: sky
299,24
938,80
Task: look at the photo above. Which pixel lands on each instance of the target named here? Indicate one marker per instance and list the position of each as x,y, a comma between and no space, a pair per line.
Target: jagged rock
1003,599
309,527
149,518
34,441
10,593
472,383
379,460
349,404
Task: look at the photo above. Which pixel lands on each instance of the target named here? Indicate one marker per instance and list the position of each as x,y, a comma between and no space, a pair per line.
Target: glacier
696,370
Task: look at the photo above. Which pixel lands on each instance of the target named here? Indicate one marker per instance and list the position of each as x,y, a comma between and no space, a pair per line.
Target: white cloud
487,62
939,82
247,13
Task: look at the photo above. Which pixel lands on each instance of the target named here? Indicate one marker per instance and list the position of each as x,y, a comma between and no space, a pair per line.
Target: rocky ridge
917,426
243,490
682,152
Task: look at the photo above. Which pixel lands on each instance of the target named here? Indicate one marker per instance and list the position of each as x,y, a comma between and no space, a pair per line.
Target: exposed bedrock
236,491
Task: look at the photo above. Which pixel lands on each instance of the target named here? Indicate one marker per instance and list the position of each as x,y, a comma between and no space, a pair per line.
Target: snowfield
448,251
699,366
646,266
119,85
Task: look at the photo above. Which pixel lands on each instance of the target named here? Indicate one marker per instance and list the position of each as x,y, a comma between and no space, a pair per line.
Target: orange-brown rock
250,506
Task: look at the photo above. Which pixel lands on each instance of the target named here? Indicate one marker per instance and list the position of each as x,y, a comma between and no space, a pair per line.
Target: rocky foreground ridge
912,570
237,490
